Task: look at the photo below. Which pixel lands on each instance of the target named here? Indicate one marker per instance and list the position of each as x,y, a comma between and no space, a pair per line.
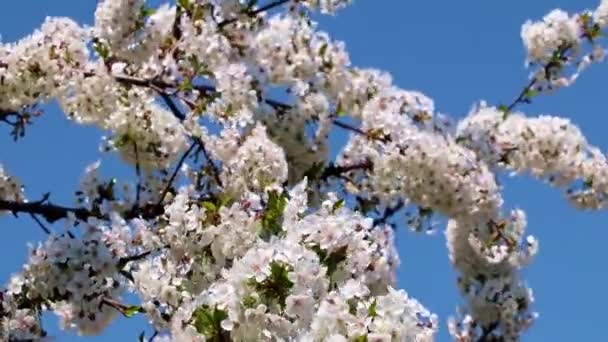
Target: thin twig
388,213
42,226
214,169
169,102
175,172
384,139
338,170
486,331
123,261
523,96
138,173
126,310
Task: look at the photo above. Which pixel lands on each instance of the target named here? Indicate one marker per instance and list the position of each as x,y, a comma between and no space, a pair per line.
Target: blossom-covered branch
265,237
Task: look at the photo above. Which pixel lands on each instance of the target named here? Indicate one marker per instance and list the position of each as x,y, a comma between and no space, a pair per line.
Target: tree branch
214,169
388,213
338,170
126,310
161,88
124,261
50,212
486,331
175,172
253,13
138,174
523,96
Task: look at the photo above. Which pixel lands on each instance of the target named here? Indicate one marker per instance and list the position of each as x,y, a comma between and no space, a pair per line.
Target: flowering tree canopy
240,225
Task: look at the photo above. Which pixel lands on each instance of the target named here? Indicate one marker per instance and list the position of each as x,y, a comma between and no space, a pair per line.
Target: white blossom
10,187
544,37
263,230
600,15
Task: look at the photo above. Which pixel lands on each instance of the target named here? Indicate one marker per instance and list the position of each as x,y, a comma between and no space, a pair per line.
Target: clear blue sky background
457,52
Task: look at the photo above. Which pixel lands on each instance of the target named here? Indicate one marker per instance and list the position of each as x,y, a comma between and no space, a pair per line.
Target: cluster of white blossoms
600,15
129,31
42,65
543,38
133,117
263,269
283,285
557,42
326,6
72,275
257,164
550,148
10,187
266,238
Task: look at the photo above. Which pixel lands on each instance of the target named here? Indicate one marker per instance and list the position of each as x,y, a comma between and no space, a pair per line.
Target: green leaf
352,306
277,286
460,139
210,206
185,85
376,133
208,322
371,311
530,93
123,140
360,338
315,171
146,11
338,205
340,110
197,13
131,310
323,49
503,108
102,49
332,260
249,302
272,219
185,4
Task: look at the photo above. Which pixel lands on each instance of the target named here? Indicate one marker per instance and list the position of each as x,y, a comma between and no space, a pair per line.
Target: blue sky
457,52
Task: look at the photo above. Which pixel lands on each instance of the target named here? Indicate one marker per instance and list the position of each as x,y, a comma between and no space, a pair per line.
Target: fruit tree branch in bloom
276,234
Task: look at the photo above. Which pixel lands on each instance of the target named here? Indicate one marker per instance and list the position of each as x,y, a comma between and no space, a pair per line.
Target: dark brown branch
124,261
370,135
138,174
50,212
338,170
169,102
253,13
126,310
214,169
388,213
18,120
486,331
